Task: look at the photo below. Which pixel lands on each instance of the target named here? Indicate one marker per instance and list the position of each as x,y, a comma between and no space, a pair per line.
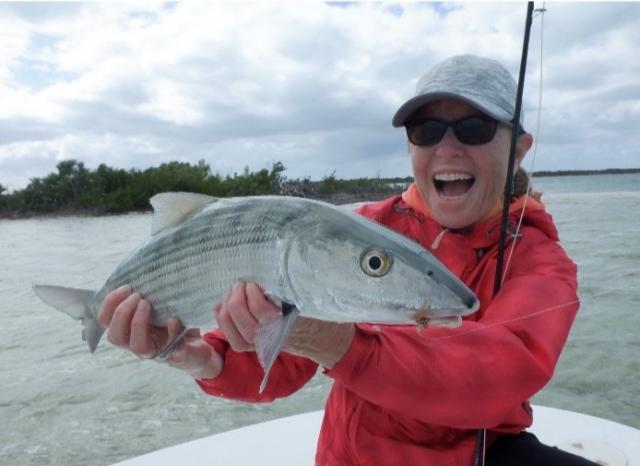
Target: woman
401,396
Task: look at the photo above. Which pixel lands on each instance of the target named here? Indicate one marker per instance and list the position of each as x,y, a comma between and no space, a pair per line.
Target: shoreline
335,199
607,171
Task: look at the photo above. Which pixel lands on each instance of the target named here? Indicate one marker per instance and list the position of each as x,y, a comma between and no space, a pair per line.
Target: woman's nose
449,146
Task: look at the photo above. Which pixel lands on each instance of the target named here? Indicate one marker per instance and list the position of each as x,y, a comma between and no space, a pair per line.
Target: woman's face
462,184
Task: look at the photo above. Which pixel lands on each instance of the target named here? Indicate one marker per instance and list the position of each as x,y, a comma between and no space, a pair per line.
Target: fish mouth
453,184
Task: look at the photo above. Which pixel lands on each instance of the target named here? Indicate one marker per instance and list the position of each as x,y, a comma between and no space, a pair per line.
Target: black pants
525,449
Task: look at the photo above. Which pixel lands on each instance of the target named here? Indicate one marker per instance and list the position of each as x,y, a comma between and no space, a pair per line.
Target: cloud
314,87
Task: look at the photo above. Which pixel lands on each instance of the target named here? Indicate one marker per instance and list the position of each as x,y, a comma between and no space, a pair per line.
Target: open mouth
453,184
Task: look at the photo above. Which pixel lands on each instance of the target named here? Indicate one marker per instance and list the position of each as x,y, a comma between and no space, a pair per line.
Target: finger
174,328
120,328
110,302
141,341
228,327
217,309
181,352
259,306
193,334
238,310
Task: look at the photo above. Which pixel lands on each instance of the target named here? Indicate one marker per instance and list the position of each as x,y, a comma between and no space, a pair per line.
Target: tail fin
76,303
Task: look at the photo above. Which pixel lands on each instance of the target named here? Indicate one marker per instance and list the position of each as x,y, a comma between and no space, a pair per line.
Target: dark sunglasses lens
475,130
426,133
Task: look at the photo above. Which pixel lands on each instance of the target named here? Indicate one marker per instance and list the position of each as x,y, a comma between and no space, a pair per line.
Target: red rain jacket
404,396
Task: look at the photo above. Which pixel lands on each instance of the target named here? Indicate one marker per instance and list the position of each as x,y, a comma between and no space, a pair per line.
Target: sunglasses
471,130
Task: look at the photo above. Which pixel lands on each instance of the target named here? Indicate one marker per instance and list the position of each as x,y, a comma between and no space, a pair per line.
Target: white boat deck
291,441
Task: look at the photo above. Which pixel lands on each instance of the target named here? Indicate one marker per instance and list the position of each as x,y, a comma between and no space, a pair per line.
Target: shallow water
61,405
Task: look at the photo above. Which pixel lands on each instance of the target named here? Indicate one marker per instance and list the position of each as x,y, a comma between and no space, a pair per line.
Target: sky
312,85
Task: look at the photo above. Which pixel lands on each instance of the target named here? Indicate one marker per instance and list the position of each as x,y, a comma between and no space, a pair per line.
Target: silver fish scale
183,271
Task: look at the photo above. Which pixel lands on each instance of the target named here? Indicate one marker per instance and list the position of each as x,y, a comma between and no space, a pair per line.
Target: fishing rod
508,192
508,188
536,137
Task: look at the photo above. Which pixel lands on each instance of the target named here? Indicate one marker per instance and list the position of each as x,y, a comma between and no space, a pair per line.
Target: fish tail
76,303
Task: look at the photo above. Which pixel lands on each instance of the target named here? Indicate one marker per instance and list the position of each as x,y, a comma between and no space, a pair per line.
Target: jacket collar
487,233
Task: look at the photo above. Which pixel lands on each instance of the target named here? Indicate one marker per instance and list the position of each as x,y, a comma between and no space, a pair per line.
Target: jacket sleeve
242,374
481,374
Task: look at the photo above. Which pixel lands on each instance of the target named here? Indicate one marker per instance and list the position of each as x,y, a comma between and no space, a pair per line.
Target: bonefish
313,258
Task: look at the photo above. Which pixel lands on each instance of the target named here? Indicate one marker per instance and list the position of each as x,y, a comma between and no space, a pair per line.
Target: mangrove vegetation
76,189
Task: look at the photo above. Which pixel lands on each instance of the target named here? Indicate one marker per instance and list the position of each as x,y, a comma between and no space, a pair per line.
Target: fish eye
375,262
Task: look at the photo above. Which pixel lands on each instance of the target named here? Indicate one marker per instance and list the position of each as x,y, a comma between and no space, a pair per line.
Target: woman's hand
128,319
246,306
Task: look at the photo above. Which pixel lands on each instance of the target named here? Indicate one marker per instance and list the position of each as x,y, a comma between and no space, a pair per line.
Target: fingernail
237,285
133,298
225,298
124,290
256,286
142,305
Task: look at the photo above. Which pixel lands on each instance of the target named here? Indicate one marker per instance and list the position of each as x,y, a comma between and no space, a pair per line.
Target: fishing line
516,235
529,315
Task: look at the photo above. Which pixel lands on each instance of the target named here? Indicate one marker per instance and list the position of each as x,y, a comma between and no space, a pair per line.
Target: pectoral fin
172,345
271,337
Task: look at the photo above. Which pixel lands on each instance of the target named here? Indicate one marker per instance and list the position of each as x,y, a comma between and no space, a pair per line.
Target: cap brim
410,106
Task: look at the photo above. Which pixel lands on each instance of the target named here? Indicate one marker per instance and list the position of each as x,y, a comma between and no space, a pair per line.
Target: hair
521,185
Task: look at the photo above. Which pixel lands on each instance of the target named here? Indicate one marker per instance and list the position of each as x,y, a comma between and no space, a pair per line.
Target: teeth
452,176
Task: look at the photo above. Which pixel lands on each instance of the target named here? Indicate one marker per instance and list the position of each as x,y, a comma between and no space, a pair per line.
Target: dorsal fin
172,208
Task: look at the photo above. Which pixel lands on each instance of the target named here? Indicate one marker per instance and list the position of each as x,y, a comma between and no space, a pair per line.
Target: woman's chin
454,212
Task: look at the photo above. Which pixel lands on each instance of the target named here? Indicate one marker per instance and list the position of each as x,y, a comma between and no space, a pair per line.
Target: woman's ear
525,141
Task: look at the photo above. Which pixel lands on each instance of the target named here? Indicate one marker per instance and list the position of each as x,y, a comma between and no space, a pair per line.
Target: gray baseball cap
481,82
